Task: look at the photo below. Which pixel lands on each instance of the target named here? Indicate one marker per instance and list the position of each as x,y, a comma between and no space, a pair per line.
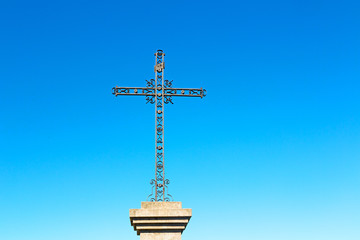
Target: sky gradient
271,153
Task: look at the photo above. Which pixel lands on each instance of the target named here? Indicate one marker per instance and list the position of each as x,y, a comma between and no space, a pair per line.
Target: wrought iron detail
168,83
150,99
159,116
150,83
159,91
164,191
168,99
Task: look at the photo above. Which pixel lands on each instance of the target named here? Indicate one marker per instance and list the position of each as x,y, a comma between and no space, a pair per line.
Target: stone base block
160,220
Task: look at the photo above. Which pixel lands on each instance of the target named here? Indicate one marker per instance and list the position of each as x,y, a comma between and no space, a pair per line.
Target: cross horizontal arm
169,92
185,92
136,91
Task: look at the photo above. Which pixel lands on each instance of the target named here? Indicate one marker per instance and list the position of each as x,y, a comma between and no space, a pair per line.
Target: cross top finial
159,52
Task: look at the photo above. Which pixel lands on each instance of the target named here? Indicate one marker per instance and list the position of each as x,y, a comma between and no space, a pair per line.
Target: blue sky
272,152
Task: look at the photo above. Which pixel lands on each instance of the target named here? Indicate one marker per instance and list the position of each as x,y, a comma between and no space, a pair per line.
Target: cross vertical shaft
159,127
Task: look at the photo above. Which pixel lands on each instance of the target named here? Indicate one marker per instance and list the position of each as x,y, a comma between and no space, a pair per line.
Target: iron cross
159,92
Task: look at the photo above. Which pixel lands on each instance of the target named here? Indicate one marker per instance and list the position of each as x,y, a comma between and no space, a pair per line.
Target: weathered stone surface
160,220
160,236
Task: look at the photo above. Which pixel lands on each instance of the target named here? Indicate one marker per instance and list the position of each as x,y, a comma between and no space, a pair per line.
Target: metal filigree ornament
159,91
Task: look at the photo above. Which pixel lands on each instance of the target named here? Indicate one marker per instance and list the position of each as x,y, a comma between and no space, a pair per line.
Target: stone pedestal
160,220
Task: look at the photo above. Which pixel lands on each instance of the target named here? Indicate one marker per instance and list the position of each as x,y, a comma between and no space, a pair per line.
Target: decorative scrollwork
161,191
150,83
150,198
168,83
168,197
150,99
168,99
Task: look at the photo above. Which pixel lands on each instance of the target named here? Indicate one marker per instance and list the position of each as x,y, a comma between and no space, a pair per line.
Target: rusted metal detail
159,91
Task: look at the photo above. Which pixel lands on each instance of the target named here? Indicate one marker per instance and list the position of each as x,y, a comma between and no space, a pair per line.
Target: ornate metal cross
159,92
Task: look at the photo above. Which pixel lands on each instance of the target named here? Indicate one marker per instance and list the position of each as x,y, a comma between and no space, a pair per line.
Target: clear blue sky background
272,153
